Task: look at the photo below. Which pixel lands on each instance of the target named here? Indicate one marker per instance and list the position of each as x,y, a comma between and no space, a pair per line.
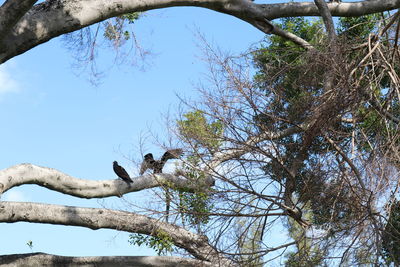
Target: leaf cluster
391,236
161,242
293,81
199,132
115,29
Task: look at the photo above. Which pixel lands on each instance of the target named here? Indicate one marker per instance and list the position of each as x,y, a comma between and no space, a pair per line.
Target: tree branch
349,161
327,18
93,218
63,183
292,37
53,18
348,9
248,146
43,259
11,12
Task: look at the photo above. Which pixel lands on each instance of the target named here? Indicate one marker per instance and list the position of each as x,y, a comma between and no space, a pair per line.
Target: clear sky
54,118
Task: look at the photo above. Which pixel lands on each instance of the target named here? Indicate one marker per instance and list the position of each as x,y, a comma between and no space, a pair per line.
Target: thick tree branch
292,37
11,12
94,219
43,259
327,18
348,9
53,18
63,183
326,15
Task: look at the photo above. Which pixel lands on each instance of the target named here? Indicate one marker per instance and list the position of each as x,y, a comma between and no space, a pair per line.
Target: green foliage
277,52
296,259
201,133
292,78
131,17
162,242
115,31
204,136
195,207
250,243
377,129
287,75
332,205
115,28
356,28
308,30
391,237
292,81
307,253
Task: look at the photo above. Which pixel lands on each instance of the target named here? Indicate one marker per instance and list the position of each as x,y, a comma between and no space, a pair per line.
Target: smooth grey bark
93,218
56,17
11,12
348,9
43,259
63,183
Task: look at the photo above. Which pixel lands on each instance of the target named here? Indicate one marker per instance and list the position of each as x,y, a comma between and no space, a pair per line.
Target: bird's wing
148,157
128,179
147,162
171,154
123,173
143,167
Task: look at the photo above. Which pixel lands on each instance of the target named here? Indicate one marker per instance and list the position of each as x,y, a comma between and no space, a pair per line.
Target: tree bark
56,17
348,9
43,259
93,218
63,183
11,12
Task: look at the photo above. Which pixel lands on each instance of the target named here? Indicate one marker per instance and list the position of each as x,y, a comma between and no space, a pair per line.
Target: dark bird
120,171
157,165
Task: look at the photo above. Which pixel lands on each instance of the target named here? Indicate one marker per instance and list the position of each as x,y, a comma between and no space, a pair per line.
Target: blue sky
55,118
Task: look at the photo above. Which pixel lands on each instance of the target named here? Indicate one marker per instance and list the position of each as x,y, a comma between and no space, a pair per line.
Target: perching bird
157,165
120,171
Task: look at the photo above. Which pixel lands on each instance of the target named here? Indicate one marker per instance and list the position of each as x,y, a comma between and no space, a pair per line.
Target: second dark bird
157,165
121,172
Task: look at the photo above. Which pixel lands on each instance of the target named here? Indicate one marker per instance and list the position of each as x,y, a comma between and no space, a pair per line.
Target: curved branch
53,18
12,11
94,218
55,180
348,9
43,259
